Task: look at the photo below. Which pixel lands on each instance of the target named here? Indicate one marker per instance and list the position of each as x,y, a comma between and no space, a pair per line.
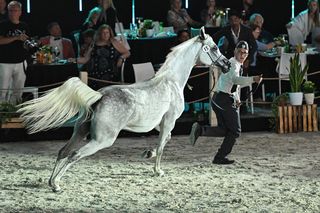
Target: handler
225,103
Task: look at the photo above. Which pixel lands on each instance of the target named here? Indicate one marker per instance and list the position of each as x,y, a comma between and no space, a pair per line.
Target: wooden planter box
12,123
297,118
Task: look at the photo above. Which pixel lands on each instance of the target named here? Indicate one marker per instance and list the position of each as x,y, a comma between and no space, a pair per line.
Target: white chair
143,71
284,66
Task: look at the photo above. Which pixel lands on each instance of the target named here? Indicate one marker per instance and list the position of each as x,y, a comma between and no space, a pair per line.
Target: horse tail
58,105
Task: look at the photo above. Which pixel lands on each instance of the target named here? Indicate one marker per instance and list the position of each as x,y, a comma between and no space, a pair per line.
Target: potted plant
296,77
148,26
308,89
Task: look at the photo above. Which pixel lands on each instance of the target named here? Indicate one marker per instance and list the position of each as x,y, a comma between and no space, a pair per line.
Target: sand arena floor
272,173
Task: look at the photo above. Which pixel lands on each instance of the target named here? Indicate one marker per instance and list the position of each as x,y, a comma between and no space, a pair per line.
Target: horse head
210,53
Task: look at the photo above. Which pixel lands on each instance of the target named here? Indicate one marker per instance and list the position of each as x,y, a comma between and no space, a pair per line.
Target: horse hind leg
92,147
81,130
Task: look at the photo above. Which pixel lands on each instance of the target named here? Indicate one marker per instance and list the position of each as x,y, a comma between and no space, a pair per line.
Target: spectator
304,23
108,14
208,16
63,46
247,9
182,36
179,18
13,34
104,58
92,19
257,19
232,34
87,36
3,11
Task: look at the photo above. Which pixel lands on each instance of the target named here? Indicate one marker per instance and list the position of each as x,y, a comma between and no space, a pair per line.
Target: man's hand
22,37
257,78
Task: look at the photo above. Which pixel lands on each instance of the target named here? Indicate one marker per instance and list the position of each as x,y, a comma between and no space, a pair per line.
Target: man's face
55,30
14,13
241,54
234,21
313,6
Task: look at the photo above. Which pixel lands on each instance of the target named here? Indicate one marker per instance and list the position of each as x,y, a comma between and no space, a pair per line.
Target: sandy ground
272,173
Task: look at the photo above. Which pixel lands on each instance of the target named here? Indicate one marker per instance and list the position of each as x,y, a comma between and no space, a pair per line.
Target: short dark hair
88,33
179,33
234,12
51,24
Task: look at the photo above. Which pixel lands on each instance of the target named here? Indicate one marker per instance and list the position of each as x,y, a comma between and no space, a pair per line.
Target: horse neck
182,65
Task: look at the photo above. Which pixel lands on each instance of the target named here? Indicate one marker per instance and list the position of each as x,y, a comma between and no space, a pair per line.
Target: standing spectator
208,15
179,18
13,33
63,46
108,14
3,11
92,19
104,58
304,23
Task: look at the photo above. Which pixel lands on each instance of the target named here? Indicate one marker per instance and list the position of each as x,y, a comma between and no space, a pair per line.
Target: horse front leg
159,152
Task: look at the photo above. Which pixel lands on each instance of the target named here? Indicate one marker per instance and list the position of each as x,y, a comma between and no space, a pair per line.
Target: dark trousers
228,119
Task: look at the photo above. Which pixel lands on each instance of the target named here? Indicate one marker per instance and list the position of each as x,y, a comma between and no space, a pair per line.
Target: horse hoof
159,173
146,154
56,189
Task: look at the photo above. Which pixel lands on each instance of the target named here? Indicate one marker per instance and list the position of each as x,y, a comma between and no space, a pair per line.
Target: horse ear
202,34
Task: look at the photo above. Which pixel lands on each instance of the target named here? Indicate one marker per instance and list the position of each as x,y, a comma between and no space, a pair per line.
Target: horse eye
214,47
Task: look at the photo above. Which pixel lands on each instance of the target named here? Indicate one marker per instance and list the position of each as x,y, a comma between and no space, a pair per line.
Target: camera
31,45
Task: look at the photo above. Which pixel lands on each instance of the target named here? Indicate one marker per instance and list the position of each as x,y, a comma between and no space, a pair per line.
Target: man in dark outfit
225,103
13,34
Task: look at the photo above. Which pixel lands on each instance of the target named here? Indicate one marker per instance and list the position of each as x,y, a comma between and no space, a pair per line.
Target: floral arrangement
308,87
281,39
218,13
44,55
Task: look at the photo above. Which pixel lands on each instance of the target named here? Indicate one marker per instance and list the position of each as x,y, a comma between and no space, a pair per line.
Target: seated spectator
256,31
3,11
55,40
257,19
179,18
182,36
304,23
92,19
108,14
104,58
234,33
208,16
87,37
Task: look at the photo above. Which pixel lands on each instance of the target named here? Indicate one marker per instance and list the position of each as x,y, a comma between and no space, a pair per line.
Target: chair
143,71
194,32
284,66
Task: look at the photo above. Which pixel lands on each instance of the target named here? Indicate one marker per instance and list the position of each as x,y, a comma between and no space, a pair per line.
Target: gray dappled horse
140,107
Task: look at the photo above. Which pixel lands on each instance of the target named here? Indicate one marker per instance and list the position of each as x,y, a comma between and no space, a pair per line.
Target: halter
205,48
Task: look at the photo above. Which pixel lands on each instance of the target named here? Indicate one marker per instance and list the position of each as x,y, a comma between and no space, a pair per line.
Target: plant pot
309,98
296,98
149,32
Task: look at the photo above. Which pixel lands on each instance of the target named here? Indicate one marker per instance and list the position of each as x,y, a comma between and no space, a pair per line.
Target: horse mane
172,56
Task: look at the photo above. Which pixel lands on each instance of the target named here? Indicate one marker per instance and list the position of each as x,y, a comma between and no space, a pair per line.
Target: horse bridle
205,48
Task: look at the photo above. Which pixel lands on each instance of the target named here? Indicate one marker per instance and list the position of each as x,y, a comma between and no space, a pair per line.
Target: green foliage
148,24
278,101
308,87
296,73
7,111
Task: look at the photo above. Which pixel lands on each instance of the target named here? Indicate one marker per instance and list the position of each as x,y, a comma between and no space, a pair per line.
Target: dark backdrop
67,14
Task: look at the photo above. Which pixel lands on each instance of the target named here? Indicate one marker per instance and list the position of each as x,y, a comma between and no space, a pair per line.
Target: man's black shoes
195,133
223,161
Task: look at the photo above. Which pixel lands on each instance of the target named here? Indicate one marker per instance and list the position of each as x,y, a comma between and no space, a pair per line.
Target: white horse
139,107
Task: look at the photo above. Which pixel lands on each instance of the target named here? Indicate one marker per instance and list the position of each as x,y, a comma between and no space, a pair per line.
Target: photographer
13,34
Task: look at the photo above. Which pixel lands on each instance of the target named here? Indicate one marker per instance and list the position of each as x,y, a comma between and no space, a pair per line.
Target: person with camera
13,55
